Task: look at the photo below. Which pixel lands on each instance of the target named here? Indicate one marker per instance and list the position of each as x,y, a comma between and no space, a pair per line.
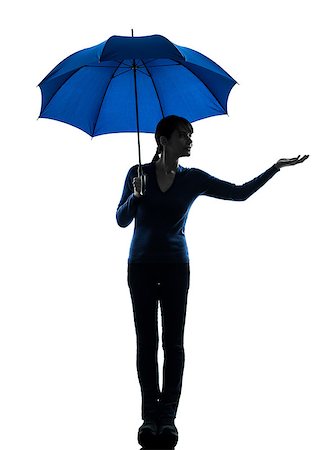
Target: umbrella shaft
137,116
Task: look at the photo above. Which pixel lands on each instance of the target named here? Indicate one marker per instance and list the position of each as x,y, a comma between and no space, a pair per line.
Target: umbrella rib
45,106
139,70
116,67
206,86
103,97
150,75
122,73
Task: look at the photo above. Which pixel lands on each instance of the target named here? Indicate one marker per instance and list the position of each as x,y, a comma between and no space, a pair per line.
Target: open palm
291,161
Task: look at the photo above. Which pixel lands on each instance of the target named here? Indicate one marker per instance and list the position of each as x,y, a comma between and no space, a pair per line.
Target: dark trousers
169,283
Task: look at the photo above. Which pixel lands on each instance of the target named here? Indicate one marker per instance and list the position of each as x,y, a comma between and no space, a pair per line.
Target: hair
166,127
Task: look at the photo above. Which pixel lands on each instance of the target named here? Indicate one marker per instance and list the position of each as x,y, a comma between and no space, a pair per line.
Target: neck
167,166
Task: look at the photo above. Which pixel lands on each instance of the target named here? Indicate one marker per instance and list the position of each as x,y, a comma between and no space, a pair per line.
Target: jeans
169,283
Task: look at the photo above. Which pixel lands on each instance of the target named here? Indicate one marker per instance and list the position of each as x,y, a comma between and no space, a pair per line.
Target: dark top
160,217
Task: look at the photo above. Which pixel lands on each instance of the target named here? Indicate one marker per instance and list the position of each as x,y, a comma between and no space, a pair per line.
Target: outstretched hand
290,162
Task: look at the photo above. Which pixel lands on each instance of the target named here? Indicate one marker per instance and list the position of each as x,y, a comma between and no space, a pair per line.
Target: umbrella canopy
93,89
128,84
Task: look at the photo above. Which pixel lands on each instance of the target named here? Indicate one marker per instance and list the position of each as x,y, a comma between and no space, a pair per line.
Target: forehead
183,129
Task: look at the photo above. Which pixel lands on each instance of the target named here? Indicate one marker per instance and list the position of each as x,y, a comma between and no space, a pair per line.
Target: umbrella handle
143,180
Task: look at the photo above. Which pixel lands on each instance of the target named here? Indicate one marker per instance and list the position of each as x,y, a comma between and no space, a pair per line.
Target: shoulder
195,172
133,171
144,166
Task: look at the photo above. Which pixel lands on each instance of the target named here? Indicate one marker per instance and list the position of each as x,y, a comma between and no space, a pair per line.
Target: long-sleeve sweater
160,217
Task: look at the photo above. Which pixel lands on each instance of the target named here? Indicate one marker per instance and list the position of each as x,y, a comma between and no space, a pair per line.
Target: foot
147,435
167,434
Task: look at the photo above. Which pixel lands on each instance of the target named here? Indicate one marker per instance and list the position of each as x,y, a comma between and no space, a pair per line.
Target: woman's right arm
128,203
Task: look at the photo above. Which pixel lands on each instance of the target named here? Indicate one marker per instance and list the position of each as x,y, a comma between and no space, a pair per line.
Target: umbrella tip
132,32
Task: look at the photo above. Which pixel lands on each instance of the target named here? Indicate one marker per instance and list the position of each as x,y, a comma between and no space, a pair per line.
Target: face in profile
180,142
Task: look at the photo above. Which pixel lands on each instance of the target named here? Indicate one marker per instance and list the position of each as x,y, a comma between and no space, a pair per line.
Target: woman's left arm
217,188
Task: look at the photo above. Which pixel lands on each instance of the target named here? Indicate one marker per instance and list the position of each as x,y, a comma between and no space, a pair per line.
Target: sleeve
214,187
127,207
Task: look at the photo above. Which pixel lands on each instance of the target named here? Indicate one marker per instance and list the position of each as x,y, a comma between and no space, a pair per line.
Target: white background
260,330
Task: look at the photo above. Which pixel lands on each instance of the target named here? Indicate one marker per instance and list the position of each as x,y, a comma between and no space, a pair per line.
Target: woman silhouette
158,263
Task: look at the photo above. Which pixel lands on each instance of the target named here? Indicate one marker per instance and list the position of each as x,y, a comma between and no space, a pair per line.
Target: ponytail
158,151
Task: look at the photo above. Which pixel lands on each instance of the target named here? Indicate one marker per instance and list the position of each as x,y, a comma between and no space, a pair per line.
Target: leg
174,288
144,296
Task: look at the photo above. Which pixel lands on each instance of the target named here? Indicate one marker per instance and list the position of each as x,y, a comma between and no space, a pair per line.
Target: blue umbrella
128,84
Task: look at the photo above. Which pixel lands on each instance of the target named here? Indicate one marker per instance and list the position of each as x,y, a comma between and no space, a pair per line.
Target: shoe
147,435
167,436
